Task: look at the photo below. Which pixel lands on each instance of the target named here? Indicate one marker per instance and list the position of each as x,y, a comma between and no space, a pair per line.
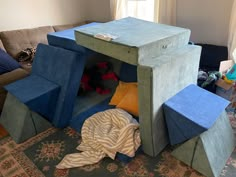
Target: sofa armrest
12,76
1,46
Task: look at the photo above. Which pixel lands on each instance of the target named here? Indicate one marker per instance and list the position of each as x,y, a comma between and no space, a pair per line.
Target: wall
31,13
207,19
98,10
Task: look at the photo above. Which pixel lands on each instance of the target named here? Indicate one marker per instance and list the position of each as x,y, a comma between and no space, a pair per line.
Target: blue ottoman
197,118
191,112
208,152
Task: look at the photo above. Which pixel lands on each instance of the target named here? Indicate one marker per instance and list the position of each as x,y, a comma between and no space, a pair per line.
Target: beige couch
15,41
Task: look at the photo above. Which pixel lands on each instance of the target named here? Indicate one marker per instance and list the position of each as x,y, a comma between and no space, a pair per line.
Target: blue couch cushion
39,94
66,39
211,56
65,68
192,111
7,63
128,72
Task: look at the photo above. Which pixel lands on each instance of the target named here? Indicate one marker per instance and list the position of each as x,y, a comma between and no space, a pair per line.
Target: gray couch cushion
16,40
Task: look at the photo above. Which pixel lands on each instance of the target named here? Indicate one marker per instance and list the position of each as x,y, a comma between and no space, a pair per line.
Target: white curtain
162,11
232,32
167,12
118,9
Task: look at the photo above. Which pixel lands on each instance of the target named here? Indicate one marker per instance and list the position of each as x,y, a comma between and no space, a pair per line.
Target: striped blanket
104,134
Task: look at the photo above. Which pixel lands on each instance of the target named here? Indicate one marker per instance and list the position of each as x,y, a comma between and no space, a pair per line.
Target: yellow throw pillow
120,92
130,101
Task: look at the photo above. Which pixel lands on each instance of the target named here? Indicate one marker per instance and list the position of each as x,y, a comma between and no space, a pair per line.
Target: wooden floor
3,132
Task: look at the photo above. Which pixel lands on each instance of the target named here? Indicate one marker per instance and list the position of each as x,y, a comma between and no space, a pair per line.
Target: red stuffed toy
92,78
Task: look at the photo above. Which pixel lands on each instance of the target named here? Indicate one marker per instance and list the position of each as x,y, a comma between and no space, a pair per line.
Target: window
163,11
143,9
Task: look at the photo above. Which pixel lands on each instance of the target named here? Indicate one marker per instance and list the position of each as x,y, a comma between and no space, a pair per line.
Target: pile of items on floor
104,134
220,78
221,82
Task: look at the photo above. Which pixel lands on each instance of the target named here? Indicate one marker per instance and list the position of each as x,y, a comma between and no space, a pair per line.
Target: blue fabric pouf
191,112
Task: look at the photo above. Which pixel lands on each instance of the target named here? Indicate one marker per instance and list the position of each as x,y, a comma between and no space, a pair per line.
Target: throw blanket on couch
26,55
104,134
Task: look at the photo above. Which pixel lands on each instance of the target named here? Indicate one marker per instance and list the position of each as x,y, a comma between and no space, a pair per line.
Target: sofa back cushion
17,40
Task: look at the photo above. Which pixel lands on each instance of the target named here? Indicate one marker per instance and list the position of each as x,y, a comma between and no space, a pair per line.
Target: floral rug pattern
38,156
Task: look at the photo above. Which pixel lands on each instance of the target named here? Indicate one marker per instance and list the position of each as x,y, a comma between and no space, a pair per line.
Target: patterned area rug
38,156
